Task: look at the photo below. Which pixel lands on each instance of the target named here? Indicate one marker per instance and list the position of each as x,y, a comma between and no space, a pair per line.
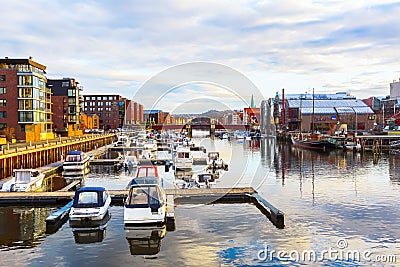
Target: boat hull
320,145
79,217
137,216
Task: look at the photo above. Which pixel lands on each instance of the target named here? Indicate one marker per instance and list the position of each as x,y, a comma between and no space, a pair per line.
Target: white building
395,89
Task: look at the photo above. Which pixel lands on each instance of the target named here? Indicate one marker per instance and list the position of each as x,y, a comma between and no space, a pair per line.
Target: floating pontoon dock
206,196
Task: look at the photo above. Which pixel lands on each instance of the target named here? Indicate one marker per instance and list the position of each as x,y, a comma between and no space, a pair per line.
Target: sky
118,46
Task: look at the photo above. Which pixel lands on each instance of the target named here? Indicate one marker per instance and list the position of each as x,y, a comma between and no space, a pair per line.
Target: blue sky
116,46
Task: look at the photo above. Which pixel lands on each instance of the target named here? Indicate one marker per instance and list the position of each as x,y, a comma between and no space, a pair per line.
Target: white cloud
116,46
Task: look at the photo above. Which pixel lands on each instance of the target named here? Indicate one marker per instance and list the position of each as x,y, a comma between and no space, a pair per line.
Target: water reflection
145,240
324,196
90,232
22,227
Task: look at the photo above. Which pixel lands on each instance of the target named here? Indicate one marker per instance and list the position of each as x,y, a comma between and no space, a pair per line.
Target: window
93,98
2,102
2,78
2,90
3,126
71,92
25,116
72,109
88,198
65,84
104,98
99,98
3,114
25,80
110,98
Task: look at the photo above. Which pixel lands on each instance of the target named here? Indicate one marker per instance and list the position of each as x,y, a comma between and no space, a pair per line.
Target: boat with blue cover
90,206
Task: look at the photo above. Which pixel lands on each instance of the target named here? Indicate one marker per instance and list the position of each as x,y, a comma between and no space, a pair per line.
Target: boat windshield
22,177
73,158
86,198
144,196
145,172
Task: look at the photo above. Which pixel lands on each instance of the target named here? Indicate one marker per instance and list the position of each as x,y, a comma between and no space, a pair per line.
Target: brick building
154,116
109,108
134,113
67,102
25,100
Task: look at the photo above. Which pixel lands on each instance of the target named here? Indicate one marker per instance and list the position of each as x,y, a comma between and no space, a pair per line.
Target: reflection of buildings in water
254,144
22,224
394,168
267,150
145,240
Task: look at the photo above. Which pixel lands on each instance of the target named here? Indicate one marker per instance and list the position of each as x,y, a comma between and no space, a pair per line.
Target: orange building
251,115
89,122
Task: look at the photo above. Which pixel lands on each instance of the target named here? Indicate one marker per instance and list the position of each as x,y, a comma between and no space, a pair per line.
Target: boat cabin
25,176
213,156
75,156
145,196
90,197
146,171
206,177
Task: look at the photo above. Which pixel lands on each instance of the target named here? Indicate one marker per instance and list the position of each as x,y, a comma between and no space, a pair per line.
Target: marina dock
180,196
29,155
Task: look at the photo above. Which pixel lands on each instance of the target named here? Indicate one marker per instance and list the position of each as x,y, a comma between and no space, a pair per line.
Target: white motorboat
239,135
183,159
131,161
142,135
353,145
215,162
24,180
76,161
150,145
90,206
123,141
206,180
248,136
145,204
180,184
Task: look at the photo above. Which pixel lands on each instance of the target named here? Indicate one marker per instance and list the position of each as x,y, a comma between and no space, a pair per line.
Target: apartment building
25,100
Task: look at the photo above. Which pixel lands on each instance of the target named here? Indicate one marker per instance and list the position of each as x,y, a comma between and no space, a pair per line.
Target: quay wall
37,155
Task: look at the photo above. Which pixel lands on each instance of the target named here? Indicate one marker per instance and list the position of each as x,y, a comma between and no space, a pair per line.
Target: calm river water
338,205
